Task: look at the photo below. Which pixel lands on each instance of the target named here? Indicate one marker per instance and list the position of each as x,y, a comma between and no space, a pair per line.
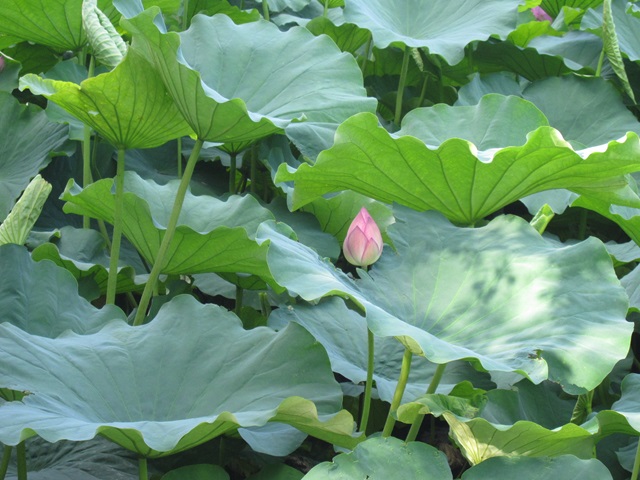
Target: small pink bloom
363,243
540,14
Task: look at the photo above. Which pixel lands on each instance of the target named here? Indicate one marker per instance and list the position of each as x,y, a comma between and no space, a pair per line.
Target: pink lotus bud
540,14
363,243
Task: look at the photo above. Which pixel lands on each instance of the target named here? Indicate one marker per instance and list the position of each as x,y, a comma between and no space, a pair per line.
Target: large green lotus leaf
495,122
554,7
212,235
626,18
54,23
93,460
128,106
379,458
444,27
492,293
343,333
452,178
190,375
42,298
84,253
567,467
238,83
33,137
587,111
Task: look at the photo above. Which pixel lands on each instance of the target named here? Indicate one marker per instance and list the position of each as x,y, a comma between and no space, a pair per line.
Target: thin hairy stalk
403,80
399,392
116,240
636,464
232,173
168,234
179,162
239,295
142,469
265,10
326,8
417,423
21,456
6,456
368,386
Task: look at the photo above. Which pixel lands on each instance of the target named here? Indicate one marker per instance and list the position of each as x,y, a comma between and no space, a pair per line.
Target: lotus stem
87,178
265,10
368,386
112,280
232,173
417,423
636,464
403,80
254,168
367,52
6,456
239,295
142,469
326,8
168,234
179,162
185,13
399,392
21,456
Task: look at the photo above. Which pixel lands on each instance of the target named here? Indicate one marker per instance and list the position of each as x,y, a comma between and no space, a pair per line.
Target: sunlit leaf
445,27
490,293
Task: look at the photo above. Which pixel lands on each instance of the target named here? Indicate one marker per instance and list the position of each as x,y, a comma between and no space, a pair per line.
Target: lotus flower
540,14
363,243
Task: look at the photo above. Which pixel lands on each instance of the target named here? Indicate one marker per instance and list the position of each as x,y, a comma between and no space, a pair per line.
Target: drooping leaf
138,387
444,27
347,36
527,468
626,18
385,458
554,7
257,93
128,106
612,48
33,138
56,24
489,293
212,235
42,298
452,178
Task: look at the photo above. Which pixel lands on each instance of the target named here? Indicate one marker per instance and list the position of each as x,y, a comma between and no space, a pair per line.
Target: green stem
403,80
368,386
417,423
265,10
6,456
142,469
326,8
582,226
265,306
239,295
180,158
232,173
21,456
399,392
636,464
423,92
112,281
168,234
600,62
86,154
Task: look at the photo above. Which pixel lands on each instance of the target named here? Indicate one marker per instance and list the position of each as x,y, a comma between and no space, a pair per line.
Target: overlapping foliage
182,292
